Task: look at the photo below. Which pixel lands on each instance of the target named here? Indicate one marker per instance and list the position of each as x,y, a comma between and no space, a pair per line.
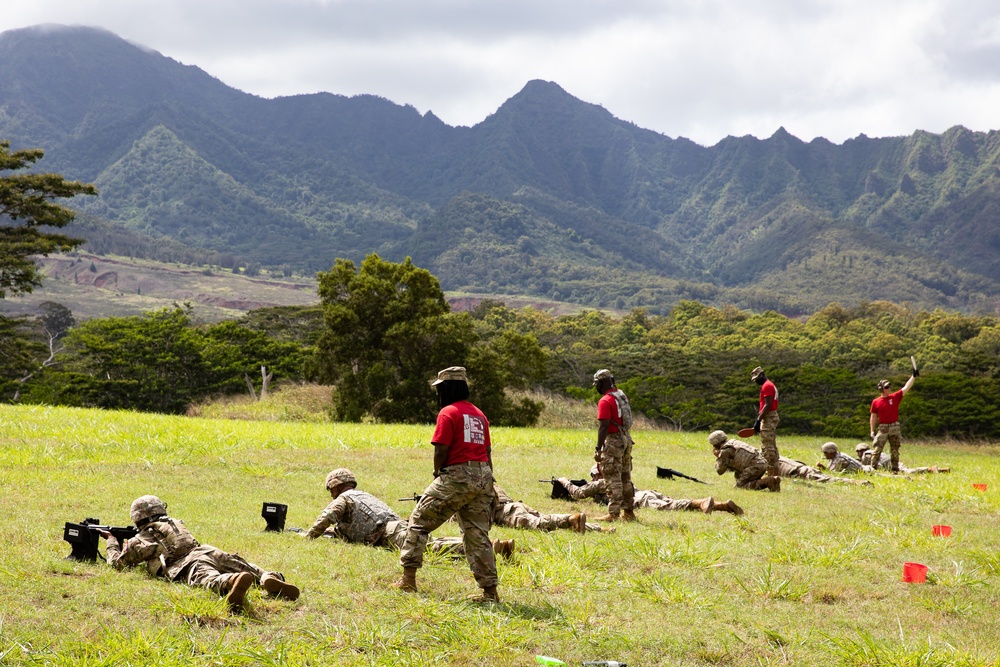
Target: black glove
916,373
756,426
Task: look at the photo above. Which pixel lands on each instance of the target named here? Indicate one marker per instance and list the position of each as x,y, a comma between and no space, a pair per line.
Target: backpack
624,409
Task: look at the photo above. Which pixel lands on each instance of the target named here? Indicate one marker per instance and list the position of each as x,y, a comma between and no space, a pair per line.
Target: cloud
702,69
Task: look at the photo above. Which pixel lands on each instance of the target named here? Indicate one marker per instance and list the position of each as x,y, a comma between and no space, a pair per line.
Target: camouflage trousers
749,477
519,515
395,536
658,501
465,492
215,569
769,440
616,468
802,471
891,433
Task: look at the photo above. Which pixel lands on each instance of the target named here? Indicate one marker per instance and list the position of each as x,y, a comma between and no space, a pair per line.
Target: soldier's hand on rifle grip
103,533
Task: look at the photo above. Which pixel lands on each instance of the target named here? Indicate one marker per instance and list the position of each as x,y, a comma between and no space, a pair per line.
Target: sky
700,69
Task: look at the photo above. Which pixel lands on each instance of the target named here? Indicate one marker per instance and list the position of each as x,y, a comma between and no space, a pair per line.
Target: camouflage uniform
790,468
465,491
616,468
361,518
168,548
745,461
653,499
512,513
885,463
891,433
769,439
844,463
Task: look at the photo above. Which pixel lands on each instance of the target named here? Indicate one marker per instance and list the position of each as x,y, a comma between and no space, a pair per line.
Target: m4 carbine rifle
670,473
415,498
83,537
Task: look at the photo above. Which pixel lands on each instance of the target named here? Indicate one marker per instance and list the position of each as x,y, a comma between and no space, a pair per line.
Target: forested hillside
549,196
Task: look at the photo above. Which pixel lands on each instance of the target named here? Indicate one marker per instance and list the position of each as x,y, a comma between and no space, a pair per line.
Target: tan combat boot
629,515
277,587
578,522
609,517
503,548
408,582
706,505
238,587
729,506
773,483
488,595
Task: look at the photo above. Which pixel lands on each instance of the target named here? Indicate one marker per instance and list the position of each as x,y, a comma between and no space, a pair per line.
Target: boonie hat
450,373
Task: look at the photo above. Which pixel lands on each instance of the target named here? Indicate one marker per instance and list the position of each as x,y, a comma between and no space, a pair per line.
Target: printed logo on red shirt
475,429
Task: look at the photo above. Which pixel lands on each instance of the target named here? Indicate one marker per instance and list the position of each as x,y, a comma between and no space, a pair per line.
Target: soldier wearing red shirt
614,446
767,421
884,420
462,487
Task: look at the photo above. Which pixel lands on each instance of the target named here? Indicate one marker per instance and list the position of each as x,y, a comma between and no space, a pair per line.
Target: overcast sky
701,69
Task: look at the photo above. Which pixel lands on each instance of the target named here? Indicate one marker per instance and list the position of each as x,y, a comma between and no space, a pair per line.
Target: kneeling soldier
745,461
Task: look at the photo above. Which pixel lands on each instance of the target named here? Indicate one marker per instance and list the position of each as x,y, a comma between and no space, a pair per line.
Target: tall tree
28,203
388,330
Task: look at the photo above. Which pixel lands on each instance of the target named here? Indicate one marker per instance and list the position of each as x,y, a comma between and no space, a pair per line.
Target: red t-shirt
768,389
887,407
607,408
465,430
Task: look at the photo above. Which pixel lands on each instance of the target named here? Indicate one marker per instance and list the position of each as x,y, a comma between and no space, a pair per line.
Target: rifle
559,491
670,473
83,537
415,498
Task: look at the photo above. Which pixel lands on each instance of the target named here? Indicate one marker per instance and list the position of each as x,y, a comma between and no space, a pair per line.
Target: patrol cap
756,373
829,448
340,476
882,384
603,374
450,373
716,438
861,447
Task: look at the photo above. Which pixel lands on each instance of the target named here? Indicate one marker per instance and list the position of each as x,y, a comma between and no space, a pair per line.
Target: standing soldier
767,421
614,446
885,420
462,486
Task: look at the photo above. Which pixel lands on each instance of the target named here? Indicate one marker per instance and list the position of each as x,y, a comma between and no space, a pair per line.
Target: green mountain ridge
549,196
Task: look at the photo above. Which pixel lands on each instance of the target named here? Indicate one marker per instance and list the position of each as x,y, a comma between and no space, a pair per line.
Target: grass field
810,576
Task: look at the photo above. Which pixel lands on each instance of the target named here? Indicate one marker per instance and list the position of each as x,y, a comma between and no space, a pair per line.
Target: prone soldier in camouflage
789,468
744,461
614,446
361,518
515,514
462,487
864,454
166,547
837,461
597,489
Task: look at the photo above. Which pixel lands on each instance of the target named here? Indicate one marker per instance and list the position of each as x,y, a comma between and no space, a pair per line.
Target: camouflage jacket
737,456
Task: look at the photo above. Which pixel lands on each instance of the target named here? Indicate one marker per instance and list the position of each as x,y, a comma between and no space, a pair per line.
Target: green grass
810,576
